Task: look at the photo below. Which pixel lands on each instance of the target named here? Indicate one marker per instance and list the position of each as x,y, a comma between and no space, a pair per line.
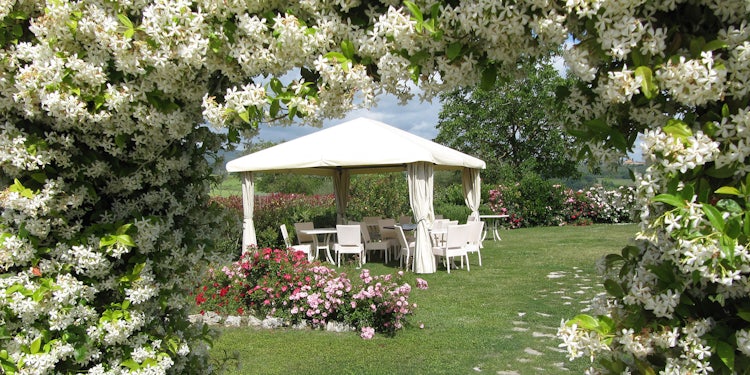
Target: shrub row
539,203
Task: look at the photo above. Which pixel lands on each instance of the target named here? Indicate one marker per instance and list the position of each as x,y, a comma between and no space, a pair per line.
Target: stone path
571,287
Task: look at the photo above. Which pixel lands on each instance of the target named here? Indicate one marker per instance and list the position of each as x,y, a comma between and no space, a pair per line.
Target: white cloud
418,118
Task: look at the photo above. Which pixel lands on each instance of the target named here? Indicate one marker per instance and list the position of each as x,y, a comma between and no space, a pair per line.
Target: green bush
385,195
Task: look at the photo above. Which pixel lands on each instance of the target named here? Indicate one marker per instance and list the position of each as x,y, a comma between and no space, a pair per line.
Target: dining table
326,234
493,219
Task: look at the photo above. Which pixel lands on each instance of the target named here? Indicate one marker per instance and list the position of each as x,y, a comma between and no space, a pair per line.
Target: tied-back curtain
472,190
341,191
420,177
248,201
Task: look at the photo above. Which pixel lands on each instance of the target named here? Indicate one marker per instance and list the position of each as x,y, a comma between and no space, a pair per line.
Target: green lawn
500,318
230,185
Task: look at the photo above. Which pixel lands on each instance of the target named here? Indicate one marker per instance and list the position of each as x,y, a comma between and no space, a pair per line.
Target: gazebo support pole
248,203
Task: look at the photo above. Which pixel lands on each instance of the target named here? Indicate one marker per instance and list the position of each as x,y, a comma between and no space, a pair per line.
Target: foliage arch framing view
105,180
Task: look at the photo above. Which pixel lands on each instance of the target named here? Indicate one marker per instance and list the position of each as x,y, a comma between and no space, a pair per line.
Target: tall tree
513,126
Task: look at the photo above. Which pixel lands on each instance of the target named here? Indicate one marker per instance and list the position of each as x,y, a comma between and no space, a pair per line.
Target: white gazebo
364,146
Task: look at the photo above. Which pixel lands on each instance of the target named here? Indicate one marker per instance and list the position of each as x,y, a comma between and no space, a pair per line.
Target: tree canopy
515,126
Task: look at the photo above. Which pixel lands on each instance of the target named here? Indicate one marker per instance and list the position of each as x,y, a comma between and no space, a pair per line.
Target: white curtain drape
472,190
420,177
341,191
248,202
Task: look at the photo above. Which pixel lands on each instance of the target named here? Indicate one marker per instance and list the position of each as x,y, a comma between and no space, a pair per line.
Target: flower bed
274,283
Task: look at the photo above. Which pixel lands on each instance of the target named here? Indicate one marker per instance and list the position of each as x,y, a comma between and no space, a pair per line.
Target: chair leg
479,253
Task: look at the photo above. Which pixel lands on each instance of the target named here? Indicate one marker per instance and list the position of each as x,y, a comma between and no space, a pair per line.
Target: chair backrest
439,224
404,219
402,237
365,231
390,232
285,234
372,225
301,237
349,234
457,236
475,232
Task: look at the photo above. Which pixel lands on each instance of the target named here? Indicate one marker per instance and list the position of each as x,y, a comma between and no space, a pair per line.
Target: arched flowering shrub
677,300
104,172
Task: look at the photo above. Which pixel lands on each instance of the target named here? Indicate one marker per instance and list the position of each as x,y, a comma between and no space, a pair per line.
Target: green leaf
123,229
714,45
696,46
274,108
732,229
80,353
489,77
725,110
714,216
107,240
670,200
723,172
597,126
584,321
744,314
612,259
454,50
347,47
728,190
613,288
131,364
727,245
125,21
6,364
648,86
729,205
23,191
125,239
726,353
244,116
414,9
677,129
36,345
276,85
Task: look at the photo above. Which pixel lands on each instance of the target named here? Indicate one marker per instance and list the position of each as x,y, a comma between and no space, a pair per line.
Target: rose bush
282,284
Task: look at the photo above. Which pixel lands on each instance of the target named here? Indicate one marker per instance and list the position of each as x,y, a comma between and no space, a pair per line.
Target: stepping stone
532,351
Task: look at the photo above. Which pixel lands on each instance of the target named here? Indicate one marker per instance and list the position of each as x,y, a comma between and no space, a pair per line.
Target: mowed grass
500,318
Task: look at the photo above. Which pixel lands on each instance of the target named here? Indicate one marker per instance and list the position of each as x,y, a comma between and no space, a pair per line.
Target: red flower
200,298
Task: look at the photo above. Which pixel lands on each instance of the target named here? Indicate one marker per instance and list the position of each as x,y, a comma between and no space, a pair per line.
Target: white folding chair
456,239
349,241
406,253
474,243
305,248
388,233
375,245
307,239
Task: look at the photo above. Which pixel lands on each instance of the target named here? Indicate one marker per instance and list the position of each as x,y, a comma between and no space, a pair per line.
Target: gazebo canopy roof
361,145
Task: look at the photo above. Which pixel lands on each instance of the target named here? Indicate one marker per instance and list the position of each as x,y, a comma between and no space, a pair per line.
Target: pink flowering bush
282,284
